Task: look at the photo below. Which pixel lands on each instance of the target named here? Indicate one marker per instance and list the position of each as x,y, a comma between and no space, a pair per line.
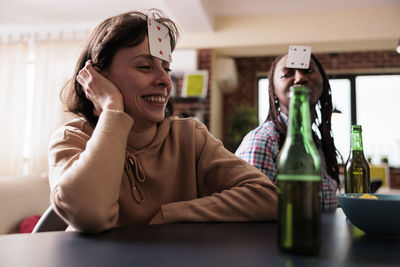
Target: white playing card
159,40
298,57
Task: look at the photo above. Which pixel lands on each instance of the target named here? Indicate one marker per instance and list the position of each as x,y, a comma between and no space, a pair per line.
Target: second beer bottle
299,181
357,173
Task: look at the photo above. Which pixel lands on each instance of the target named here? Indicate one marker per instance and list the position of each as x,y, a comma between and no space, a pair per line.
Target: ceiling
201,20
194,15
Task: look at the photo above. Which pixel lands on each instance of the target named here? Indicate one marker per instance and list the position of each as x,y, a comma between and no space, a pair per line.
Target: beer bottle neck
299,155
299,124
356,141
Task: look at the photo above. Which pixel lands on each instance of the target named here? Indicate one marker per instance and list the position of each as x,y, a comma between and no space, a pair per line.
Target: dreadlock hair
323,110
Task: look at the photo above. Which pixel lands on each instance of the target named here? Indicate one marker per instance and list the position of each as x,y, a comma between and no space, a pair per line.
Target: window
341,116
369,100
377,108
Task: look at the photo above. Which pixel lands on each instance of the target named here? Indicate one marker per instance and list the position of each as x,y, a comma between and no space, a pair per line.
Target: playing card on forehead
159,40
298,57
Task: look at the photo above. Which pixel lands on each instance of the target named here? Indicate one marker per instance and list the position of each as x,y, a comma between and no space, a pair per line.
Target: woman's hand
99,90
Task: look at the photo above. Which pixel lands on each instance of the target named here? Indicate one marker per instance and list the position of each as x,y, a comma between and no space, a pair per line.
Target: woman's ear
102,72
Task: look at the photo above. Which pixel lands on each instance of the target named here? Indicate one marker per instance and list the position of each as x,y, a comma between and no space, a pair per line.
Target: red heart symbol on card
159,39
158,28
161,53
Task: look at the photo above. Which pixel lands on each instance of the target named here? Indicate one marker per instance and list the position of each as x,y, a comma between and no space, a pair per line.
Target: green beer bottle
299,179
357,173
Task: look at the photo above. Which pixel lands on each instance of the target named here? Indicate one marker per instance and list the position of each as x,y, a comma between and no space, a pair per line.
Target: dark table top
197,244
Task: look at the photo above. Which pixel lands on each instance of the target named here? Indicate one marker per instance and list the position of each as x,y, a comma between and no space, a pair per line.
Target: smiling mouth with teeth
155,99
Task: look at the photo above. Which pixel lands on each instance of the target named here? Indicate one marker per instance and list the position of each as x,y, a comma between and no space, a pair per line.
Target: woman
261,146
126,161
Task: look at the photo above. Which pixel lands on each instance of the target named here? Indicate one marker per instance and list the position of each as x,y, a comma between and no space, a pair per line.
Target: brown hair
124,30
323,124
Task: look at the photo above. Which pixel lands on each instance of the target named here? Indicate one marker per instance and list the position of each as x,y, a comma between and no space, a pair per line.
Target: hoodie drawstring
135,176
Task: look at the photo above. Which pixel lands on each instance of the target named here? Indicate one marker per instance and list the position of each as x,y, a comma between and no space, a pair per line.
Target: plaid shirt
260,148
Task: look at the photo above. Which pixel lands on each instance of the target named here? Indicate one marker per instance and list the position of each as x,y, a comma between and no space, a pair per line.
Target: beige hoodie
185,174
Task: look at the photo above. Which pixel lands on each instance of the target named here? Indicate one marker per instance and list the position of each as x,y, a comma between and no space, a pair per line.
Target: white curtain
13,66
54,65
39,115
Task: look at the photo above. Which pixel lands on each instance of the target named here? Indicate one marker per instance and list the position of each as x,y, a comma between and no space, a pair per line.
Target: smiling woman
126,161
145,97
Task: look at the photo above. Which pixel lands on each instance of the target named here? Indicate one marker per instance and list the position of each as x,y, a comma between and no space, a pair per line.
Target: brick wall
249,69
395,179
360,60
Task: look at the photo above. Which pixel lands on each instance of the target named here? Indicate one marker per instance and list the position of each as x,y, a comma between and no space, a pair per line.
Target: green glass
357,173
299,178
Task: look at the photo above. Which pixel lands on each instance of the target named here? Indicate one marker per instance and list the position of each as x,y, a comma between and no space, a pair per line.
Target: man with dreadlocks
261,146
